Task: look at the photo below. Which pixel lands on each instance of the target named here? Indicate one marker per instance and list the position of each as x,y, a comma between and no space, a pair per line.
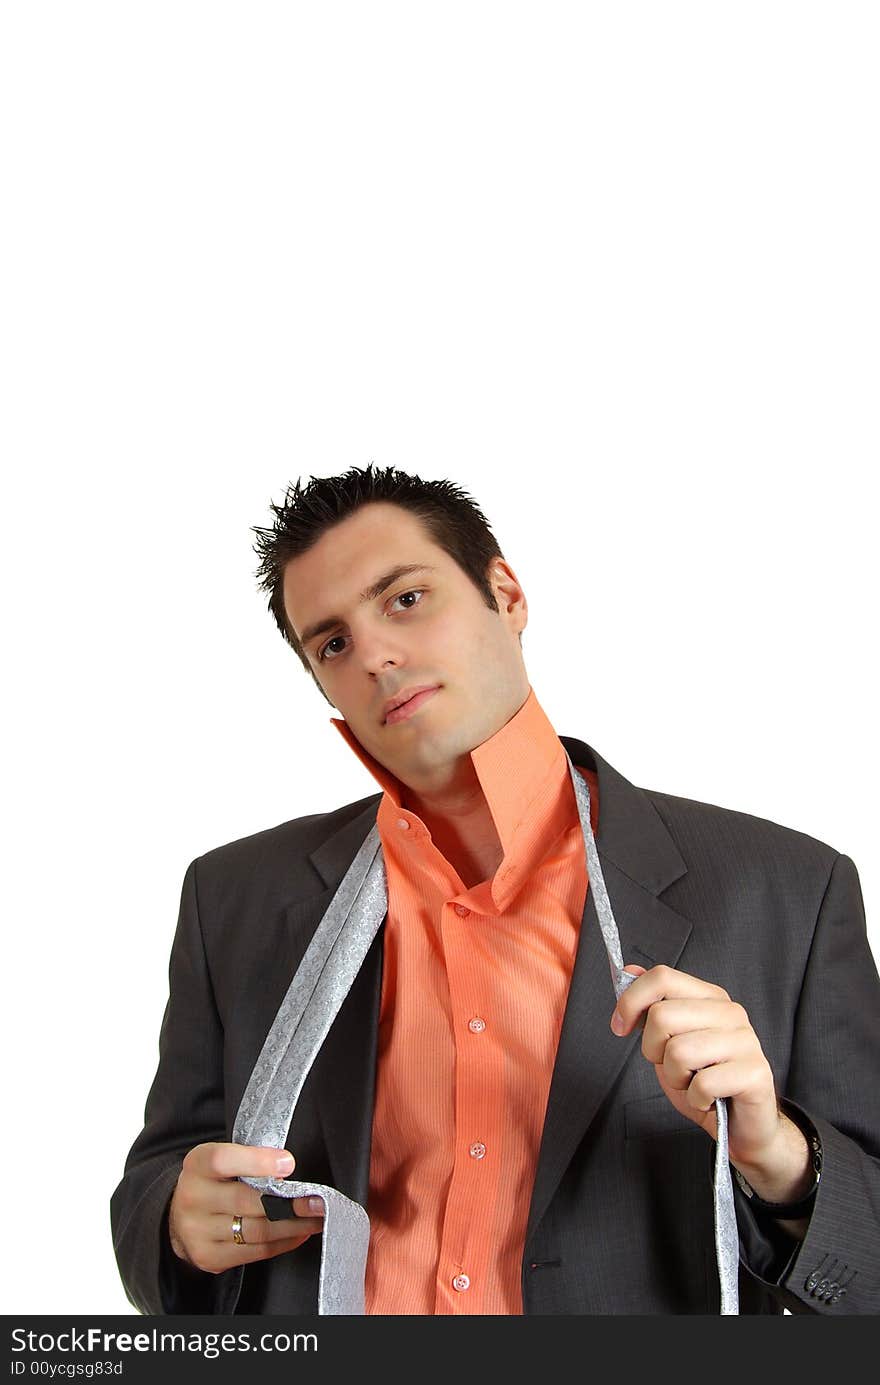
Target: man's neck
459,798
461,826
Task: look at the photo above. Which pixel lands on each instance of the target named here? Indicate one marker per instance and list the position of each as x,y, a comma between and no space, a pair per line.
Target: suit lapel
345,1067
589,1056
639,859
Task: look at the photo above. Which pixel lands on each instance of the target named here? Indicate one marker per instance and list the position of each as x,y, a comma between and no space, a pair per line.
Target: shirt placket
464,1264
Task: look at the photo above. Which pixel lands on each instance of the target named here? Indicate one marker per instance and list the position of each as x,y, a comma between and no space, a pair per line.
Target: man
522,1144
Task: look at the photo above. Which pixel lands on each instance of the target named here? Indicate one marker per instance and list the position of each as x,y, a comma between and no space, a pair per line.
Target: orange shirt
474,986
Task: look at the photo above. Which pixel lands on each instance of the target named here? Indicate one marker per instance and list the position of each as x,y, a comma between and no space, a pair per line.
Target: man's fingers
209,1193
237,1198
686,1054
219,1160
668,1018
308,1207
660,983
215,1195
260,1231
728,1080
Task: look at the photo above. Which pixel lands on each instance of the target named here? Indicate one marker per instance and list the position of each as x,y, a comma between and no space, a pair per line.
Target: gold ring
237,1236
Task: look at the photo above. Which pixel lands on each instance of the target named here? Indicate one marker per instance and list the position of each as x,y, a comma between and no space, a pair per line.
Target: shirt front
474,986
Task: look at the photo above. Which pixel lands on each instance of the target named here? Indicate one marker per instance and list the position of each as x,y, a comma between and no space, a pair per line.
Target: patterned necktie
323,979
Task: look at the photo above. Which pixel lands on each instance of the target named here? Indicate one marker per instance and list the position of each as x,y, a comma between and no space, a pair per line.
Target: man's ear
507,587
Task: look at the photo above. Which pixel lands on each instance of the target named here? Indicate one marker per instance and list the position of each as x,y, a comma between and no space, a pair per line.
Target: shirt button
461,1282
476,1025
403,824
462,911
477,1150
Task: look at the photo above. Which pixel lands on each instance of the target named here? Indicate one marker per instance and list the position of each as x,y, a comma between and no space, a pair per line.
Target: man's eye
403,594
323,651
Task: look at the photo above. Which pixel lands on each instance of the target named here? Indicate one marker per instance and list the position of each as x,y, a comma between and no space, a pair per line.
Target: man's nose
378,651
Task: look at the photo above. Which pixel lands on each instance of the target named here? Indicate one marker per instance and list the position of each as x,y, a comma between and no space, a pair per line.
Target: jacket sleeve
184,1108
833,1079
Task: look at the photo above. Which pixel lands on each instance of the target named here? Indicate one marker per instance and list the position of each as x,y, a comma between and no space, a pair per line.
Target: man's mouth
410,706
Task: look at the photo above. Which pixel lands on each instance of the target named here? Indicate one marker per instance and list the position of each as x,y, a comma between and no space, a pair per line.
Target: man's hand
208,1195
702,1046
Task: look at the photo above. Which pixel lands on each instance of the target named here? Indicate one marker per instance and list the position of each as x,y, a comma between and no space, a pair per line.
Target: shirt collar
523,772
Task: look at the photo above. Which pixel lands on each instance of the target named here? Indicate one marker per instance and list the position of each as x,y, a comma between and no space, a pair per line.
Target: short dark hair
452,518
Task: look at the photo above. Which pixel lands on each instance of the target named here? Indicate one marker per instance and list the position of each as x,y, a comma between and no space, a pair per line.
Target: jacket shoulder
271,854
709,829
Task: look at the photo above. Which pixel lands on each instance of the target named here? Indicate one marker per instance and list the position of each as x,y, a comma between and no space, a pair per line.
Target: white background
612,268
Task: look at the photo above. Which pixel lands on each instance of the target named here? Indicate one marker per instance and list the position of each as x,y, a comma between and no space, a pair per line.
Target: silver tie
323,979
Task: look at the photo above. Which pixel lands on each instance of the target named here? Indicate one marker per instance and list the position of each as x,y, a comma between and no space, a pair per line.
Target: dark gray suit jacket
621,1211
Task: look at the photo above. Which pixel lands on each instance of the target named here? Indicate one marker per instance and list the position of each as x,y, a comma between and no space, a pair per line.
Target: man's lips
412,704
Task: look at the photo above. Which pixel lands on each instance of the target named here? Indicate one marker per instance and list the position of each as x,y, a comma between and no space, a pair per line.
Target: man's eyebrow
375,589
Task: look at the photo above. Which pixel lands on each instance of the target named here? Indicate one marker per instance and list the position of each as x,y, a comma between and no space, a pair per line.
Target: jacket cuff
829,1272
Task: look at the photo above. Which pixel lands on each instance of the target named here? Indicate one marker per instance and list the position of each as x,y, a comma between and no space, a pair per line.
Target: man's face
427,628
